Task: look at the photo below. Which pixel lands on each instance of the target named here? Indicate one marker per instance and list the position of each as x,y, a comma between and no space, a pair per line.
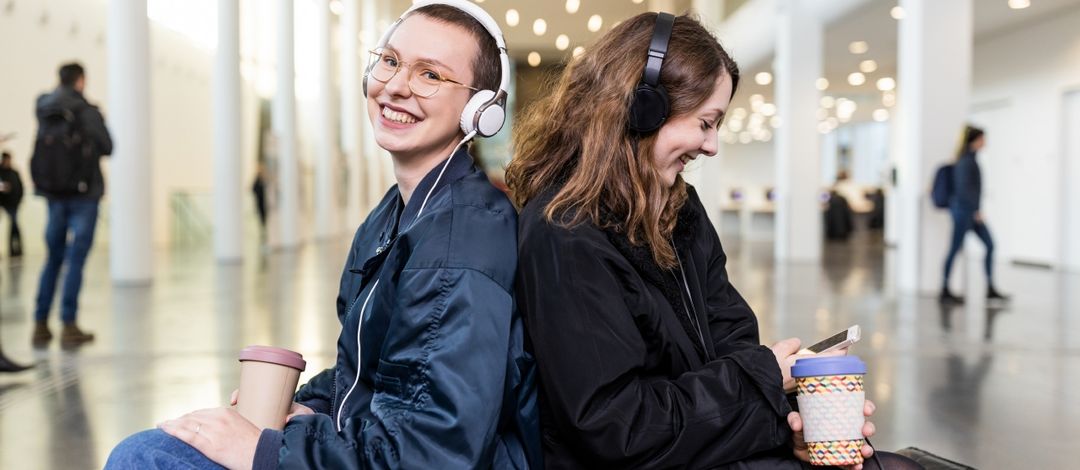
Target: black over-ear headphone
650,105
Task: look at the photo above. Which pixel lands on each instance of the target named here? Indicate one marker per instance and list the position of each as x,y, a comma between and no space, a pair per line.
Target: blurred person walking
11,194
66,170
964,206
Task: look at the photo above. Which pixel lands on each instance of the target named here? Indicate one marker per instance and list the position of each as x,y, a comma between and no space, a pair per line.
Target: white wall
1020,81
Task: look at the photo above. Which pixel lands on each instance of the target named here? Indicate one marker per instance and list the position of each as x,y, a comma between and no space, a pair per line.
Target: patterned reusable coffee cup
831,401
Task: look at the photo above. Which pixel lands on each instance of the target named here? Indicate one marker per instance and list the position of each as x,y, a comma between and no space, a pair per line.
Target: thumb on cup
233,397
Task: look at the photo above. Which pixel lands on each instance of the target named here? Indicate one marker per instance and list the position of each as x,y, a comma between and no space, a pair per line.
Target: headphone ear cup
486,120
649,109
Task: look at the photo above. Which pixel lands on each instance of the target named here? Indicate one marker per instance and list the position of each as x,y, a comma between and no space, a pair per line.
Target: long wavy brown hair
577,137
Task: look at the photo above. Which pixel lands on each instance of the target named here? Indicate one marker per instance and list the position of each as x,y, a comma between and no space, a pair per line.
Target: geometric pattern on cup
848,452
832,416
829,384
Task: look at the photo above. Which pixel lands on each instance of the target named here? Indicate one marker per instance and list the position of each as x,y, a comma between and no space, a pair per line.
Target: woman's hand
800,448
221,434
786,353
295,410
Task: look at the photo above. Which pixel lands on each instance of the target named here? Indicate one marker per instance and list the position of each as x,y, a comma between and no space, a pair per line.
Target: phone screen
829,342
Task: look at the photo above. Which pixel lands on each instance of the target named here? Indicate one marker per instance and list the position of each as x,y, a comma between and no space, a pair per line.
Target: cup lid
831,365
274,355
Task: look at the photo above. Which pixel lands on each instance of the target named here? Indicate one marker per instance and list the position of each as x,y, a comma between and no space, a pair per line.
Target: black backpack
63,157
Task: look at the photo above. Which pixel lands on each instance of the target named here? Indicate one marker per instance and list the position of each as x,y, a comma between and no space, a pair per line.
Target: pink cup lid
272,355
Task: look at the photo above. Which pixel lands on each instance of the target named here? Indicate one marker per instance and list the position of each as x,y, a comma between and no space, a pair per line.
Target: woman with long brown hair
648,357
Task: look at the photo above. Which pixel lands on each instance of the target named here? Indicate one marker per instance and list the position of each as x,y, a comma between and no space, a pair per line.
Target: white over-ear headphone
484,114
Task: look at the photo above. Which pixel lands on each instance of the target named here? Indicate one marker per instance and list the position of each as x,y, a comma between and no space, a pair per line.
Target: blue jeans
79,217
963,221
153,449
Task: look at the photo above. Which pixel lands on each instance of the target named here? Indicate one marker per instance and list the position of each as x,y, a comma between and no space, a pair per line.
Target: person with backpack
65,169
962,184
11,194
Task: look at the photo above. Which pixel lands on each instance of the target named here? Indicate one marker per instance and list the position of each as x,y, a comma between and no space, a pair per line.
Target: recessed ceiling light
827,101
888,99
897,13
638,1
534,58
512,17
756,98
867,66
578,51
856,79
1019,4
562,42
822,84
539,27
886,84
881,115
768,109
763,78
595,23
572,6
858,47
336,7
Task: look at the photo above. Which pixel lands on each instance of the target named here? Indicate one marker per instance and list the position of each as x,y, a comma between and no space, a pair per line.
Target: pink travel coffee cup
268,378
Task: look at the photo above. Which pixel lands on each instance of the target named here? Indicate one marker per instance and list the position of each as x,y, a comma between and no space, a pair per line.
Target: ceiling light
775,122
638,1
1019,4
867,66
562,42
897,13
856,79
757,98
512,17
745,137
886,84
763,78
881,115
827,101
578,51
768,109
823,127
595,22
738,114
534,58
735,125
336,7
572,6
888,99
539,27
822,84
858,47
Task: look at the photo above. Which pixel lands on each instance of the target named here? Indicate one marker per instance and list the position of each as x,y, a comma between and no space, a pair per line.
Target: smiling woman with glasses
431,370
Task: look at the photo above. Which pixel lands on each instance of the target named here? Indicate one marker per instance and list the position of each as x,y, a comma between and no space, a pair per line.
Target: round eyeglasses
425,78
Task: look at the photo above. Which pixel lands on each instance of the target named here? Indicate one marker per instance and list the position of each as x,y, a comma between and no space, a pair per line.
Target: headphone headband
665,22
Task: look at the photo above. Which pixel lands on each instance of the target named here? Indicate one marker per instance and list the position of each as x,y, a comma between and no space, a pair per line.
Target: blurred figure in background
964,206
258,188
66,170
11,193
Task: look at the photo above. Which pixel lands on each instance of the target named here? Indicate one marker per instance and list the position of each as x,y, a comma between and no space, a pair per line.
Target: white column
1071,219
352,110
284,123
798,149
325,208
935,48
228,181
130,177
706,177
372,152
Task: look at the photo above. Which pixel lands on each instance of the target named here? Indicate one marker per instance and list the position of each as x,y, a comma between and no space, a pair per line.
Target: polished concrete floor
993,388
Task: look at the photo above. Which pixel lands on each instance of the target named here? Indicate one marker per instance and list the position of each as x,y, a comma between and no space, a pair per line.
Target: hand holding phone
838,341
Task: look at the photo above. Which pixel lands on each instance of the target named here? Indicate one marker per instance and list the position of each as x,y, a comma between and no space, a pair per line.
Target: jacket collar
461,164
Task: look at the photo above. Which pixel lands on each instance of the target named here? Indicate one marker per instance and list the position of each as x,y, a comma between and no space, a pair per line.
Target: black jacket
10,198
92,124
626,380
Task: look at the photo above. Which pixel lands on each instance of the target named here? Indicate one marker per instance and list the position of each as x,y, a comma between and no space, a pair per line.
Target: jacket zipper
359,354
690,298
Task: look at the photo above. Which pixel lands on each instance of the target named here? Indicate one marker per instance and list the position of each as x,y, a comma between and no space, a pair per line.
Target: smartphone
840,340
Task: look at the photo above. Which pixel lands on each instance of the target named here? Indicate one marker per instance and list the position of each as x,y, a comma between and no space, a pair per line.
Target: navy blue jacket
967,181
444,380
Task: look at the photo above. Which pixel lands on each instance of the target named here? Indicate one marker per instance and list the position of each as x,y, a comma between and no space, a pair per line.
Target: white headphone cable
467,138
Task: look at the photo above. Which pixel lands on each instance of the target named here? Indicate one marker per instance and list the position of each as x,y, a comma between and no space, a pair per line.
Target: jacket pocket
395,384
